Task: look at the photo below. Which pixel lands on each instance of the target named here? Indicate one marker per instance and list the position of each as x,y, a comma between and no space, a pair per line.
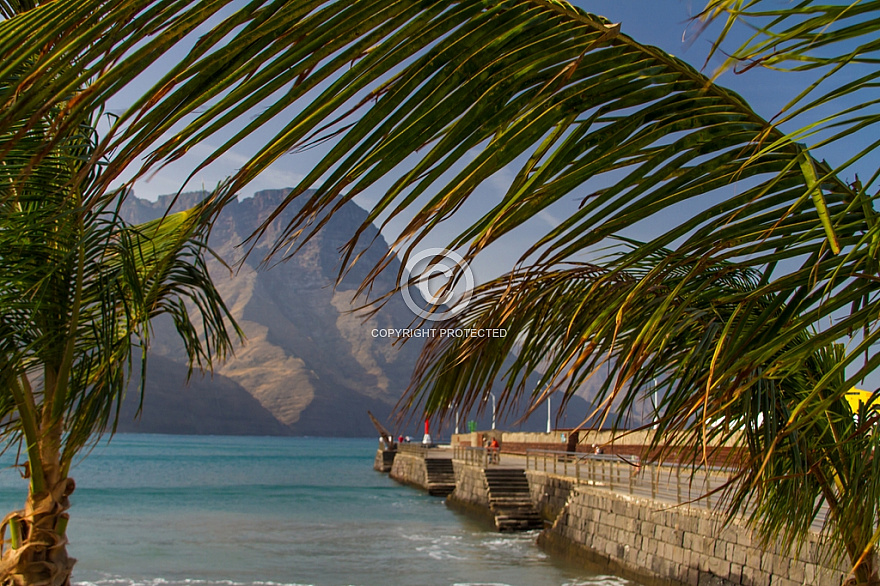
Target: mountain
309,364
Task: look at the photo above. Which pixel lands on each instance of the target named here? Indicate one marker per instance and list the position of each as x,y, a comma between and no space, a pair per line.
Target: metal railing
476,456
628,475
414,449
423,451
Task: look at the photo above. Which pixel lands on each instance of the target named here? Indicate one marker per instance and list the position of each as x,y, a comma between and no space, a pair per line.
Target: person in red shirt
494,451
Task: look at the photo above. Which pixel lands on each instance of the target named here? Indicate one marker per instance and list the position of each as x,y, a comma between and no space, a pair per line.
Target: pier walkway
664,520
668,483
671,484
648,521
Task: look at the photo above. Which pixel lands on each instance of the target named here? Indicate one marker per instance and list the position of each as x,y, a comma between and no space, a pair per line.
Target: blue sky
667,24
664,23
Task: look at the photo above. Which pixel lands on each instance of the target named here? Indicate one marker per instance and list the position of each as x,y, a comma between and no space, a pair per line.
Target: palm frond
541,80
654,332
835,43
446,95
79,286
724,307
140,272
414,89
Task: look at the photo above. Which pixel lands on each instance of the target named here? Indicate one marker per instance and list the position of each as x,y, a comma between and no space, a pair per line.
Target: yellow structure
856,396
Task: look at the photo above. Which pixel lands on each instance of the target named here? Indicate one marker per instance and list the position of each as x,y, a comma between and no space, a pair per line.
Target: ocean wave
600,581
123,581
437,547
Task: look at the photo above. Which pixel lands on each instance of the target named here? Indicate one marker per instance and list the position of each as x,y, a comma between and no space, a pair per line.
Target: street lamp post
491,394
548,413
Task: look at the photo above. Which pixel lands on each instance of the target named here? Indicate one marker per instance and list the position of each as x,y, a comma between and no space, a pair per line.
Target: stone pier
663,545
429,469
471,494
384,460
608,525
499,494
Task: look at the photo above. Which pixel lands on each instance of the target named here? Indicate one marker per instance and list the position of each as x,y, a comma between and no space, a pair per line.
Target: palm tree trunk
865,574
38,550
38,533
864,571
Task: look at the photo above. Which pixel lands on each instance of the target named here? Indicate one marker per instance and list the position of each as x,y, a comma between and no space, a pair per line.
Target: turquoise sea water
206,510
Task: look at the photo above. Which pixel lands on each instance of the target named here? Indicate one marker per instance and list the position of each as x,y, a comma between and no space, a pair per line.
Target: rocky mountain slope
309,365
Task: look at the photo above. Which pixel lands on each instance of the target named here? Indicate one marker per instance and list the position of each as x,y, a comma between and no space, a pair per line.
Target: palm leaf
837,45
528,78
654,332
532,78
80,287
414,88
140,272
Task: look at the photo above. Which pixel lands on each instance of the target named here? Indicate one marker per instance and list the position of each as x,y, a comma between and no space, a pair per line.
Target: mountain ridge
309,365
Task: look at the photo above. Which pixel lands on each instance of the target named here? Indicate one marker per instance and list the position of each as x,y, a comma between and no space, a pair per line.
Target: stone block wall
471,493
410,469
654,543
671,546
384,460
549,493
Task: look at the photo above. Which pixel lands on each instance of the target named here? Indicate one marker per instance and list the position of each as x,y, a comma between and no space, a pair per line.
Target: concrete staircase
510,501
441,476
